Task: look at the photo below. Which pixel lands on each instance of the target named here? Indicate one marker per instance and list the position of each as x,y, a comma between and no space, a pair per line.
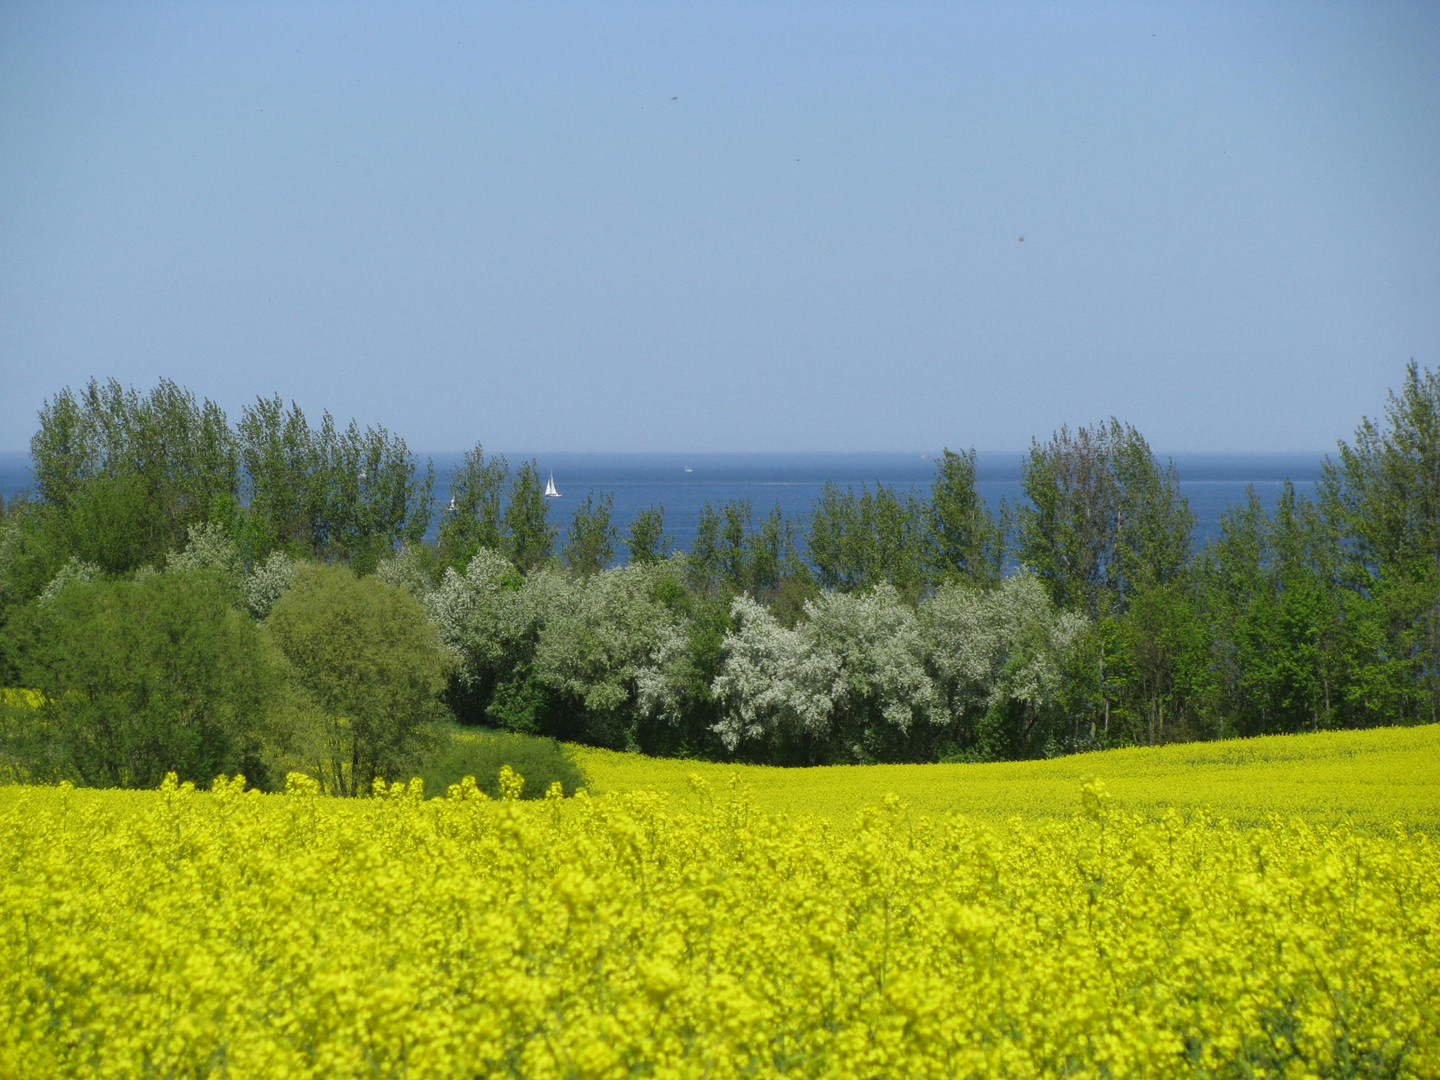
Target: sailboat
550,492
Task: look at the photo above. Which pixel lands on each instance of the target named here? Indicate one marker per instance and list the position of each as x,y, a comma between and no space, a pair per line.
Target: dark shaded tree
1103,515
857,541
142,467
328,493
647,541
1280,625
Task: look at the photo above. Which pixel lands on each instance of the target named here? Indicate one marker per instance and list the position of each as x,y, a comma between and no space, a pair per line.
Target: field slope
1373,778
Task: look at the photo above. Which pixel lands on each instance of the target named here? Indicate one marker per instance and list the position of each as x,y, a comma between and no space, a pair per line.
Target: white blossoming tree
999,658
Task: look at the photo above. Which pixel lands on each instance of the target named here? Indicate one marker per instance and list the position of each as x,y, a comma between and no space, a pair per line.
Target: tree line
885,626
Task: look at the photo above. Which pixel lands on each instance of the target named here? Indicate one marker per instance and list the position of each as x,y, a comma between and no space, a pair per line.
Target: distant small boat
688,469
550,491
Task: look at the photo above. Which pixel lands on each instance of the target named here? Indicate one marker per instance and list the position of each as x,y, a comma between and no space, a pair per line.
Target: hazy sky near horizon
738,226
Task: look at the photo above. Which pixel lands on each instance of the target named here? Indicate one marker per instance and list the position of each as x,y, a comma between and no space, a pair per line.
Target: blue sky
728,226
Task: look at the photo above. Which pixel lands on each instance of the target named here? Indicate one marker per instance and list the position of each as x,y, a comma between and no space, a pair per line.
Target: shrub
372,667
463,752
141,678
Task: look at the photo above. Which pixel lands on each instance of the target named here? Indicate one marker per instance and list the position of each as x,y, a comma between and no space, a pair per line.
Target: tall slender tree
964,539
1103,516
145,467
590,541
1384,491
529,537
472,519
646,540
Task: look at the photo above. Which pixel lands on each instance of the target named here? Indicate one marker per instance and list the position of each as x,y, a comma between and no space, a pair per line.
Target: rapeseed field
1371,779
1099,923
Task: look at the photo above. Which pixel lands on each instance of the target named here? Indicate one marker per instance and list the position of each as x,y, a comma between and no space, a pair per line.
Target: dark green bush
462,752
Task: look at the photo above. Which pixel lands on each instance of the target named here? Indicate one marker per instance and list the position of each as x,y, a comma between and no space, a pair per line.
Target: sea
684,483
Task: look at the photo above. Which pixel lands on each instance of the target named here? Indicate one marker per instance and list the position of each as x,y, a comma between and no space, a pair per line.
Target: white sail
550,492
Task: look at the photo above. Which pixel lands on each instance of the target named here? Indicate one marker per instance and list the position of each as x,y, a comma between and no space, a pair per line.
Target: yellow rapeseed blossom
694,934
1371,778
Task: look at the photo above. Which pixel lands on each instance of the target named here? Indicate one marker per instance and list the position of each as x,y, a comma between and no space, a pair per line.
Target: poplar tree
472,519
965,541
529,537
590,542
121,476
1384,494
1103,516
647,541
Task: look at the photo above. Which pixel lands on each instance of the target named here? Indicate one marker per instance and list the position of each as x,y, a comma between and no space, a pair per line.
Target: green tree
328,493
1281,627
703,562
473,518
1384,494
144,677
733,555
647,541
1159,669
964,539
590,543
284,491
1103,515
857,541
125,474
374,499
372,665
530,538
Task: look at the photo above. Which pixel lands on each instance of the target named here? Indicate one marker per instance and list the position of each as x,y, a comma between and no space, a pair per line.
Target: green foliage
895,635
1158,670
462,752
124,475
473,519
1280,625
731,555
858,541
1385,494
371,664
108,522
964,539
591,542
326,493
145,677
522,704
647,541
529,537
1103,515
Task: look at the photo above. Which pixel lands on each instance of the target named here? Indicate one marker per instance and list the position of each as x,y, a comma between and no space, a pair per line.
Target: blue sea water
684,483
